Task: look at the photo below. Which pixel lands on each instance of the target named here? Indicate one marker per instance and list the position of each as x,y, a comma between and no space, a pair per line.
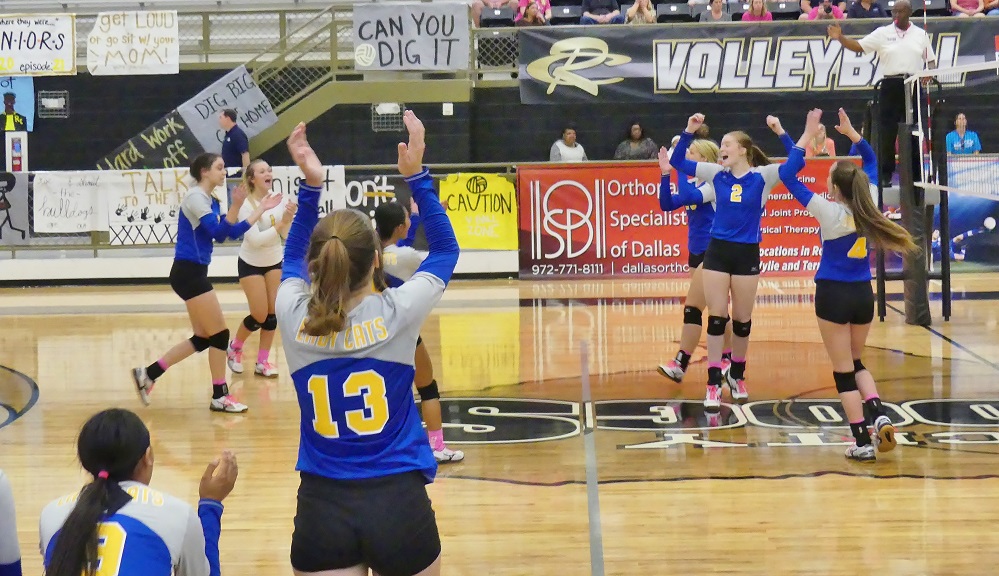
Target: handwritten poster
167,143
334,188
236,90
13,209
130,43
482,209
68,202
418,36
37,45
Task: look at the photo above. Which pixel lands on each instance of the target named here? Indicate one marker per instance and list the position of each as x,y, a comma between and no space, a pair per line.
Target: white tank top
262,246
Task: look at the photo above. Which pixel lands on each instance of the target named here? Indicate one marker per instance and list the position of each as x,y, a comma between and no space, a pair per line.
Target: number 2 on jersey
110,548
736,193
859,249
369,385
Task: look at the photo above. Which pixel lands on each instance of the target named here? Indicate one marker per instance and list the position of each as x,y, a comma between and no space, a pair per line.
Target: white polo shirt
900,51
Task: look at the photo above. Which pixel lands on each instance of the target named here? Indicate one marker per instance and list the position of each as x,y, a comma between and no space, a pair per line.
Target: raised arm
687,194
703,170
867,155
774,124
835,32
297,245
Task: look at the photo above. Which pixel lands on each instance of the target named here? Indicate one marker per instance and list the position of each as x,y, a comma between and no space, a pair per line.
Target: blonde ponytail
855,188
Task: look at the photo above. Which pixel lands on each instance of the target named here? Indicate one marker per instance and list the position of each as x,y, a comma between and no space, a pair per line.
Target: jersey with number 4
152,535
355,386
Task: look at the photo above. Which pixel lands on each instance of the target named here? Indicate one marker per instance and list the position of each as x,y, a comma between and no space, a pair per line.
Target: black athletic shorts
189,279
733,258
694,260
844,302
419,340
384,523
245,269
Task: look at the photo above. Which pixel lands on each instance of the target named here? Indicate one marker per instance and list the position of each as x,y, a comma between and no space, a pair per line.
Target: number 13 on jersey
364,422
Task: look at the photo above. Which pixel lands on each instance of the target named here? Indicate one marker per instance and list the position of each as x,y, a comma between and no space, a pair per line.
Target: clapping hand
219,478
664,164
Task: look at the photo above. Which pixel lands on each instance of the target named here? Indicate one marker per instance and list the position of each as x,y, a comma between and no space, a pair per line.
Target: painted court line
592,481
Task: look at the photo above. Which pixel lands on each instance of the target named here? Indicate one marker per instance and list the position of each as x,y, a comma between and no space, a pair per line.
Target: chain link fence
496,49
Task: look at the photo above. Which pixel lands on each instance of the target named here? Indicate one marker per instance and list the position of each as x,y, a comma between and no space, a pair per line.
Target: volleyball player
199,224
740,188
844,300
398,264
363,456
118,525
10,550
259,267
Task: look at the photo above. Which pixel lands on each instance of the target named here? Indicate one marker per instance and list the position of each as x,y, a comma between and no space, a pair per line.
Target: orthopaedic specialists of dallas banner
676,63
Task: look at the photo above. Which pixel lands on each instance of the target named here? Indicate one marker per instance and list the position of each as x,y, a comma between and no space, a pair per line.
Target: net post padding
915,284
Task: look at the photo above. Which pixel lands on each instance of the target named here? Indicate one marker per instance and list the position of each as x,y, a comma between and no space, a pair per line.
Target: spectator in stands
542,12
821,145
642,12
967,8
808,5
824,11
566,149
714,13
479,5
757,12
962,140
636,145
867,9
601,12
235,146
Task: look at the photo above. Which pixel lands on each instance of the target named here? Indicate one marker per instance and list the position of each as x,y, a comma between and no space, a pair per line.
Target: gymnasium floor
610,469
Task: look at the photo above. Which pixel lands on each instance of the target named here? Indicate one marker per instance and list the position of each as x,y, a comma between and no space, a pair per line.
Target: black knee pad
200,344
429,392
692,315
741,329
270,323
858,366
219,340
251,323
716,325
845,381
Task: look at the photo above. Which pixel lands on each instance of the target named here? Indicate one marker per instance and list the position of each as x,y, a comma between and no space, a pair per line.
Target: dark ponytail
110,446
201,163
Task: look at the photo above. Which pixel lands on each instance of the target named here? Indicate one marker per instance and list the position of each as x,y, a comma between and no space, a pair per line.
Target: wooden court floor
627,477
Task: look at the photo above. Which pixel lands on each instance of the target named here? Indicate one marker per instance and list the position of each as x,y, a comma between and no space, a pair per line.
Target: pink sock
871,397
740,360
436,439
714,365
727,351
237,344
262,356
219,382
163,364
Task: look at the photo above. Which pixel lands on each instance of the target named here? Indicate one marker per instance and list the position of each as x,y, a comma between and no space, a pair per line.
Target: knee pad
200,344
219,340
845,381
692,315
716,325
858,366
429,392
741,329
251,323
270,323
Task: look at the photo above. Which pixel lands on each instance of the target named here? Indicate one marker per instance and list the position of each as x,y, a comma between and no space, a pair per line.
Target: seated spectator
867,9
822,145
636,145
992,7
567,149
808,5
479,5
967,8
714,12
962,140
533,13
601,12
642,12
757,12
824,11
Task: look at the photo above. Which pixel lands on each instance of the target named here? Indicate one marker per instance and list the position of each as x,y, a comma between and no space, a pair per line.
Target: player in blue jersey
844,300
10,551
740,188
363,456
201,224
117,525
397,264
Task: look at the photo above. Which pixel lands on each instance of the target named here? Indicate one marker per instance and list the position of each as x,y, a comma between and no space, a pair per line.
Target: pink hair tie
103,474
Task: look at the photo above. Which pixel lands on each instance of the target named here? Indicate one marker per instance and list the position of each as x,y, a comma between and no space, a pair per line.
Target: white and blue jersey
399,263
699,216
10,552
354,387
154,534
739,202
200,223
844,251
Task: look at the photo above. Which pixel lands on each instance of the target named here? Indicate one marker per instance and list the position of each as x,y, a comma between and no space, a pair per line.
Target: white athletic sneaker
738,387
445,455
143,384
884,431
235,359
227,404
861,453
267,370
712,398
671,370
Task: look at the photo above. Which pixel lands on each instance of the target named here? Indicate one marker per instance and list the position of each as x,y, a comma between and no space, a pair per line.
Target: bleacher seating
497,17
675,12
567,14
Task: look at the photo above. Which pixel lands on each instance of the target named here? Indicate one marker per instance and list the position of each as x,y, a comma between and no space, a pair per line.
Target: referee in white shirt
903,49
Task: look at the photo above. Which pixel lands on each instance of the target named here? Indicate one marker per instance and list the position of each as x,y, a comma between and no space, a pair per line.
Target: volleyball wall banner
482,209
604,220
37,44
686,63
